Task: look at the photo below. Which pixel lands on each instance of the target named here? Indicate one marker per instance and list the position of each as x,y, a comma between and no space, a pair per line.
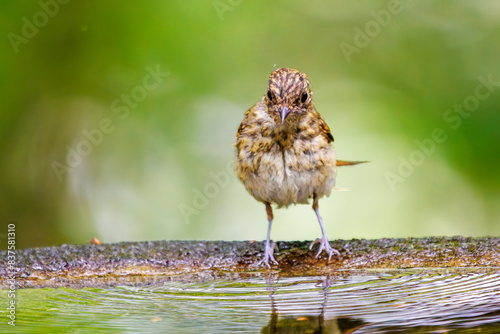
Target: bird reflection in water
313,324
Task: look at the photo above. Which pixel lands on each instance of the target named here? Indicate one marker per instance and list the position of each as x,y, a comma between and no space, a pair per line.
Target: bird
284,154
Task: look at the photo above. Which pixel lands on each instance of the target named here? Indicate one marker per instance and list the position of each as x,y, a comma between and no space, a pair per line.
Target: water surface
413,301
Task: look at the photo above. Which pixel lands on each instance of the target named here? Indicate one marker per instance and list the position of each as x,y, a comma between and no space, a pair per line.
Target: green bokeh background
143,180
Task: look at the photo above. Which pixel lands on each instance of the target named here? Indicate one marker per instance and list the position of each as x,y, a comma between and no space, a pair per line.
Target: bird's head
288,96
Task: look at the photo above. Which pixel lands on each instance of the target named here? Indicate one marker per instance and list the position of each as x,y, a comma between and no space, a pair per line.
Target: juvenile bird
283,151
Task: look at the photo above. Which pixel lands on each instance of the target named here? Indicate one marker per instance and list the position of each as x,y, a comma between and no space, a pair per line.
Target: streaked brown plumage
283,149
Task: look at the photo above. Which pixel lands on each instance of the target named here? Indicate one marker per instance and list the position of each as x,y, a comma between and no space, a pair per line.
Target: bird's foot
269,255
324,245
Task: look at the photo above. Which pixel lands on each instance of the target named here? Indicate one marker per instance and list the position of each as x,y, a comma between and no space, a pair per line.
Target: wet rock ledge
139,262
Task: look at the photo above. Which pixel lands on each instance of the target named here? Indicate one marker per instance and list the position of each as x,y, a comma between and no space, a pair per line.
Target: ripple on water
365,302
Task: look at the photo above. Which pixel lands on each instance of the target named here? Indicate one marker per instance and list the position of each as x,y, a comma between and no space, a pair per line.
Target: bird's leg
269,250
324,244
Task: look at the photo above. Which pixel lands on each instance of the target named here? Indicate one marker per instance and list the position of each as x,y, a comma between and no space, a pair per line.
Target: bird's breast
288,174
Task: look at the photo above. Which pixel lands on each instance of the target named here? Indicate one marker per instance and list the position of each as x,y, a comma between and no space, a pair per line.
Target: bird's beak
284,112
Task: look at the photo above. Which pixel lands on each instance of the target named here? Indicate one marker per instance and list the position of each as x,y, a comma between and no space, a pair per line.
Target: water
346,302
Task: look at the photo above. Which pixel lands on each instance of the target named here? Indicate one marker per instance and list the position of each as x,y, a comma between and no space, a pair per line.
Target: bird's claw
269,255
324,245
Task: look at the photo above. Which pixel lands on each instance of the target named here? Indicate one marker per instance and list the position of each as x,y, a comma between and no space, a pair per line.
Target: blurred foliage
72,70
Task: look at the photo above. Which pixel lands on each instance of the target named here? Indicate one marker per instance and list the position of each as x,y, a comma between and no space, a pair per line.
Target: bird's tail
349,163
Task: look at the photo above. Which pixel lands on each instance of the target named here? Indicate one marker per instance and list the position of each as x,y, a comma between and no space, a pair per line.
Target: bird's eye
303,98
269,95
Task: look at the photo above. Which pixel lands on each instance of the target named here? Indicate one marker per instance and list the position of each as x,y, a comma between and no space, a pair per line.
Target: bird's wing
240,129
324,129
